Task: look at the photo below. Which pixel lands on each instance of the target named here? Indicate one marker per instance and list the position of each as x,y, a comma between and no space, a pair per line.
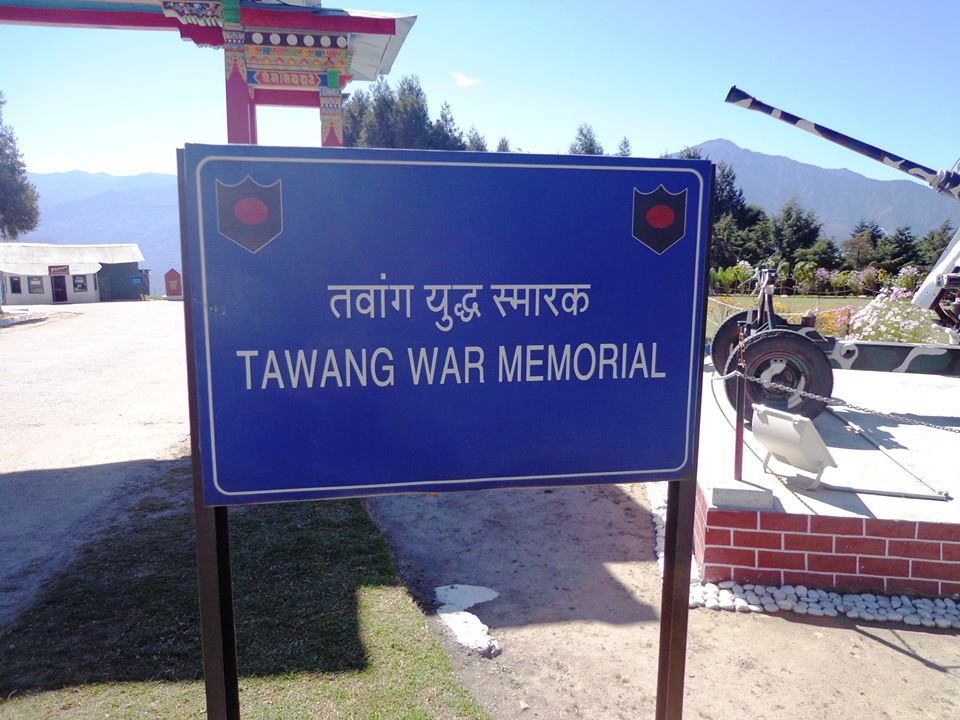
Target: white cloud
464,81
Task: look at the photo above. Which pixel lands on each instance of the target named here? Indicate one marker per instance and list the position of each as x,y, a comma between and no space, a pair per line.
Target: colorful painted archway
290,54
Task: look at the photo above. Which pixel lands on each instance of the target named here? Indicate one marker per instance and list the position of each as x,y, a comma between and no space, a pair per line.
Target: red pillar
241,112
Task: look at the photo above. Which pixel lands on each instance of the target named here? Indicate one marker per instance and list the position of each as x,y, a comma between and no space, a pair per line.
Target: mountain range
79,207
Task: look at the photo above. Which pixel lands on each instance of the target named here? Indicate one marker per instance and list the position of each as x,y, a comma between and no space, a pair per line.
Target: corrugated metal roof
36,258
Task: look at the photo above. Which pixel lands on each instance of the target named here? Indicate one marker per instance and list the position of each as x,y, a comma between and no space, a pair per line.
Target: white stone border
941,613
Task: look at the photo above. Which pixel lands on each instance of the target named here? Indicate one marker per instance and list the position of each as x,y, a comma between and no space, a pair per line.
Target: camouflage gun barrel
944,181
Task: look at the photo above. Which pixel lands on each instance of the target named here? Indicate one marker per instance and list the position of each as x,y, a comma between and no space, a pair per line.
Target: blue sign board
374,321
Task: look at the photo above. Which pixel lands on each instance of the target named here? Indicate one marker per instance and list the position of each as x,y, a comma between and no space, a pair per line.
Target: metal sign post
368,322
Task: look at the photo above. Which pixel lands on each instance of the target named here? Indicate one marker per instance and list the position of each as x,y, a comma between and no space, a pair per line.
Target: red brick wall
851,554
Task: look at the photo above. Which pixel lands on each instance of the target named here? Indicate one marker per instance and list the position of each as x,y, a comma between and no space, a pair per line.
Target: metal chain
838,402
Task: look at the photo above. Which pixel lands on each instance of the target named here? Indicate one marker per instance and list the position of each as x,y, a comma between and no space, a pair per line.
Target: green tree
688,153
354,110
823,253
503,145
377,129
860,248
446,134
729,242
728,197
791,230
476,141
894,251
585,142
383,118
623,149
19,209
411,119
933,243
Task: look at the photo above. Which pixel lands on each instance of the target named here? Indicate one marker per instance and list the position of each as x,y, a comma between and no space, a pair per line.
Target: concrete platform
767,528
918,459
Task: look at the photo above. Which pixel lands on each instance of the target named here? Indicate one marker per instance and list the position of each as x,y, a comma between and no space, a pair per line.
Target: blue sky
655,72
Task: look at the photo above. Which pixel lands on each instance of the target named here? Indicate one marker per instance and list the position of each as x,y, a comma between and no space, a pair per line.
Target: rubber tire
806,363
726,337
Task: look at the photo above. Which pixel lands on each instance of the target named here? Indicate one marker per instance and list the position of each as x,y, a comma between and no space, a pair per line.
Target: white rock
883,601
853,614
895,617
844,608
771,589
751,597
726,604
927,622
737,589
748,586
785,604
693,602
726,584
712,603
801,590
800,608
943,622
950,603
745,608
912,619
939,602
896,602
789,589
815,610
868,596
779,595
867,615
955,624
771,607
711,588
830,611
754,608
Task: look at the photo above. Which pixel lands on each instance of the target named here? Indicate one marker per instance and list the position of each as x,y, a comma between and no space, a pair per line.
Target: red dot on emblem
251,211
660,216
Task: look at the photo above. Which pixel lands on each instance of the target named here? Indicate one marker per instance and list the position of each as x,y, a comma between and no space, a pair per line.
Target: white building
42,273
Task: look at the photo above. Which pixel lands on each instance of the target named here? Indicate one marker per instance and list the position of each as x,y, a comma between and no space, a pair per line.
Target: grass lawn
325,628
832,311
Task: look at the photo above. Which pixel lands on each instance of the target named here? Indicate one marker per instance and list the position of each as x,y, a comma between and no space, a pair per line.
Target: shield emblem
249,214
659,218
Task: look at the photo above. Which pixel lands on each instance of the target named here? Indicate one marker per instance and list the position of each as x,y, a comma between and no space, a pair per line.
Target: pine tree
503,145
623,149
897,250
446,134
932,244
378,123
476,141
585,142
860,248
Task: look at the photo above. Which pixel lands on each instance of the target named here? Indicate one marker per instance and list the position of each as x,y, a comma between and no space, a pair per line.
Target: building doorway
59,284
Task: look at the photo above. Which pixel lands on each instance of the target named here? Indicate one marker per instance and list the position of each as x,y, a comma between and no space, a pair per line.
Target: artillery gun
785,358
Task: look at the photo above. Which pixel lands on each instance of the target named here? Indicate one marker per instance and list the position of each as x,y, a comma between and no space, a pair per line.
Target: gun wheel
727,335
786,358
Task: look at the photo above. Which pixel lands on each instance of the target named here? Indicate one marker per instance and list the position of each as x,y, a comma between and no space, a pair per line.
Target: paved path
93,397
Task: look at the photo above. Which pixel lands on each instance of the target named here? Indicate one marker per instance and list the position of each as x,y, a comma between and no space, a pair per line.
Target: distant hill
840,198
78,207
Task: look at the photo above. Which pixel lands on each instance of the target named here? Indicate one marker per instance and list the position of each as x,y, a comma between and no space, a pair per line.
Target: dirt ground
96,399
577,617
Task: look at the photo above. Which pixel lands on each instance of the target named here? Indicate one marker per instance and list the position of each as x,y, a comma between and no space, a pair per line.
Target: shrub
890,317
